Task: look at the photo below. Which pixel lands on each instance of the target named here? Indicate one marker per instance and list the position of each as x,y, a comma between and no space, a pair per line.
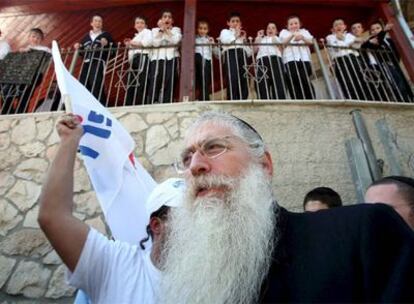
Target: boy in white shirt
139,62
164,60
297,59
347,68
203,57
235,54
270,74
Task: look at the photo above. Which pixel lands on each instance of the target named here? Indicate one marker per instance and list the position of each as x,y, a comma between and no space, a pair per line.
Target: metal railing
293,71
255,71
366,74
121,76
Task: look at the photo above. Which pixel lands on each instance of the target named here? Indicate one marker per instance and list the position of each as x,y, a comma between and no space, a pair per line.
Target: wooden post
187,52
397,34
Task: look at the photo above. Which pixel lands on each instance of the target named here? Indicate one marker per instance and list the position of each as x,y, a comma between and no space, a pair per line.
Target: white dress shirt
4,48
268,50
94,35
228,36
348,41
145,38
40,48
161,38
296,53
204,51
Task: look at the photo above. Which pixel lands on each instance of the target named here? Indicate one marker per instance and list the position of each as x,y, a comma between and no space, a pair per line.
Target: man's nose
200,164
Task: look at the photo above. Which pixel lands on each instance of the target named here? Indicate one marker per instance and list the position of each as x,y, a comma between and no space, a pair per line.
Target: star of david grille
260,72
372,76
123,79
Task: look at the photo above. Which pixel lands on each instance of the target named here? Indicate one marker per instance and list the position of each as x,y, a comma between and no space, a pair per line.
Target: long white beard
219,250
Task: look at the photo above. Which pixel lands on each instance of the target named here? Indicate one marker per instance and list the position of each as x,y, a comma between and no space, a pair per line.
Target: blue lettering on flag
88,152
96,131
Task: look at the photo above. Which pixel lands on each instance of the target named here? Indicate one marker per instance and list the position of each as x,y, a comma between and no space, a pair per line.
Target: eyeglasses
211,148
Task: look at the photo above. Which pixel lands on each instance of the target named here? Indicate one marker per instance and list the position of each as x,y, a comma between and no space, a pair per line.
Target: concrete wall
306,140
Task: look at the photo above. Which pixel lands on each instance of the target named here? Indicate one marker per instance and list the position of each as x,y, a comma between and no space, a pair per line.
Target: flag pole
68,103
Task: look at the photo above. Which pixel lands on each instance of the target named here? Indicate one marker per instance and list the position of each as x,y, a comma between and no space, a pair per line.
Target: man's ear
267,163
155,225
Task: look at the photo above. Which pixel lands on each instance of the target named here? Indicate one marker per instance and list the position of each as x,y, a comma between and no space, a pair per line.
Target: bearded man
232,243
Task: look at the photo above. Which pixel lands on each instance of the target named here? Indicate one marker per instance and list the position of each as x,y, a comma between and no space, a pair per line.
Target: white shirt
204,51
296,53
159,39
348,41
40,48
4,48
94,35
228,36
115,272
145,38
268,50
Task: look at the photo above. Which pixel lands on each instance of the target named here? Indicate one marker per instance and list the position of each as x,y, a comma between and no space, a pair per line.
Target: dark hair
96,15
203,20
166,11
378,22
162,214
142,18
293,16
325,195
38,31
233,14
405,186
356,22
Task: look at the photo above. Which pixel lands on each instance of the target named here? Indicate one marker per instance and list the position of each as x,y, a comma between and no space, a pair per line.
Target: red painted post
397,34
187,52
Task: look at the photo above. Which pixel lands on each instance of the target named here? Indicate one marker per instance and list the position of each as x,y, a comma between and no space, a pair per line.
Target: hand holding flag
121,184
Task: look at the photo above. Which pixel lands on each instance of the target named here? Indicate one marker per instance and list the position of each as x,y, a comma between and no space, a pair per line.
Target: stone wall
306,140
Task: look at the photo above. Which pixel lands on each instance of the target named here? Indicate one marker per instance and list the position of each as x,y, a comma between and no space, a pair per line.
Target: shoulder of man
106,35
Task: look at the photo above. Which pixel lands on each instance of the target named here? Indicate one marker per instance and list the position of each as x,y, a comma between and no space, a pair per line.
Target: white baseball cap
168,193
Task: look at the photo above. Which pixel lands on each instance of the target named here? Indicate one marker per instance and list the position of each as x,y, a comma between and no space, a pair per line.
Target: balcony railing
365,74
120,76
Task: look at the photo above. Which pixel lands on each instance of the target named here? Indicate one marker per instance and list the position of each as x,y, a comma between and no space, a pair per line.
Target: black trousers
375,77
137,80
368,78
298,81
162,78
93,78
350,77
270,79
237,77
203,77
22,93
399,85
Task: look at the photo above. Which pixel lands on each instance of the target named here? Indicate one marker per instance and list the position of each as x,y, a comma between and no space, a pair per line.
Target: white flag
121,184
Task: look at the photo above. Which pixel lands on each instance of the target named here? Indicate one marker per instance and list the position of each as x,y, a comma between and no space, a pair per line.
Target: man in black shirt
232,243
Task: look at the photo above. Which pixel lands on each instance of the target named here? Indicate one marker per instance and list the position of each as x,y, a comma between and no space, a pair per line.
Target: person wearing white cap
116,272
166,195
108,271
